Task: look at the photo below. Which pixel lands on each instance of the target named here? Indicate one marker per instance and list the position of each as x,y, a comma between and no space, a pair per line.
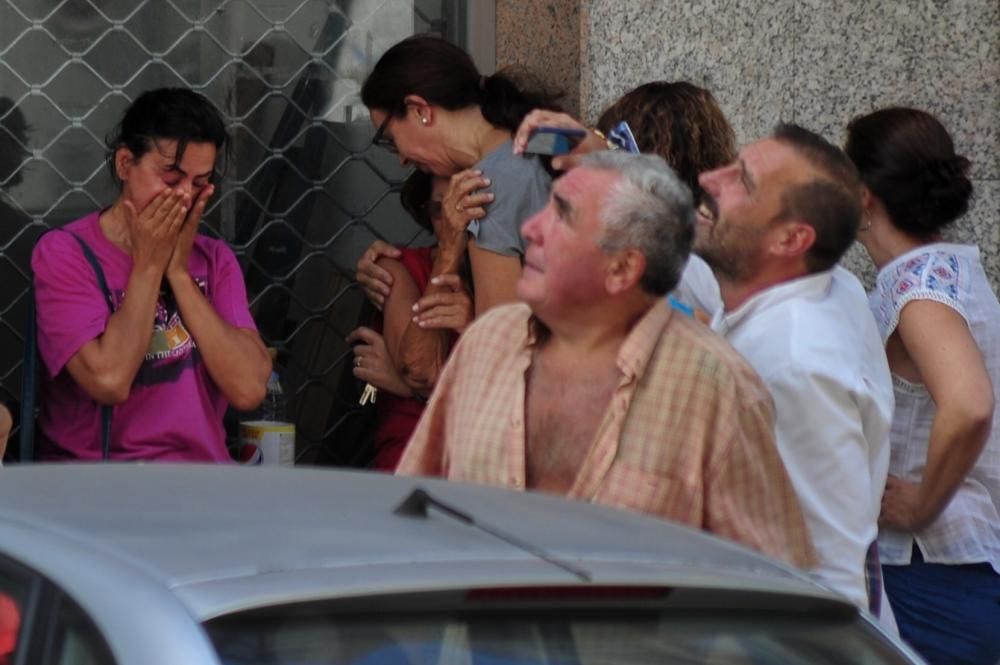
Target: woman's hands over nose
153,231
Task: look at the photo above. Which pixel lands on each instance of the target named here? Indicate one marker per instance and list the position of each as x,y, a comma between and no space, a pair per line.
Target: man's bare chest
563,413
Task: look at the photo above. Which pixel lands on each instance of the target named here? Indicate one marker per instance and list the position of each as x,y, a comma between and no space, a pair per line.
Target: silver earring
423,120
866,222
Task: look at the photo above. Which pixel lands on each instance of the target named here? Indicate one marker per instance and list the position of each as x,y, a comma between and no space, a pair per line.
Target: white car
199,565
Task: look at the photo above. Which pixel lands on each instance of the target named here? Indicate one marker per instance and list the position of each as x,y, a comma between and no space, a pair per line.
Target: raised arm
419,352
542,118
444,308
106,366
938,341
494,275
235,358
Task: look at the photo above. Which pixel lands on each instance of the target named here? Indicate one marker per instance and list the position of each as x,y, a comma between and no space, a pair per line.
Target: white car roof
228,538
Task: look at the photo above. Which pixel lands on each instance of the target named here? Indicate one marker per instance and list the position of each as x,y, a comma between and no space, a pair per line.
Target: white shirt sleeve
698,287
821,438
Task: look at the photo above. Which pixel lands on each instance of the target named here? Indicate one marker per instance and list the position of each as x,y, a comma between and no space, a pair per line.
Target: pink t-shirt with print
174,410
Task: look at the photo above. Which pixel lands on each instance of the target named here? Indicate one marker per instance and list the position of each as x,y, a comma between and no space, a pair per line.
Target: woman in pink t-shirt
169,343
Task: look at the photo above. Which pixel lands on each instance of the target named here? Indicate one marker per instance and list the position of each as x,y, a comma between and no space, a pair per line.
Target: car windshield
555,637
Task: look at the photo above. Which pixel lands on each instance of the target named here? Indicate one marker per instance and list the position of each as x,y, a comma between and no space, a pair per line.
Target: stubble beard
730,261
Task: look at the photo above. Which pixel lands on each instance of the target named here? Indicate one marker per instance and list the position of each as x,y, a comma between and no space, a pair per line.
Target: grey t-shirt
520,186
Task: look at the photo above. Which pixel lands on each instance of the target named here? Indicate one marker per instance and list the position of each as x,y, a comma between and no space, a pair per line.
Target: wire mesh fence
301,195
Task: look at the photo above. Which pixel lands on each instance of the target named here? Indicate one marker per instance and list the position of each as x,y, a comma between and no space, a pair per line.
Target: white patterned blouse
968,531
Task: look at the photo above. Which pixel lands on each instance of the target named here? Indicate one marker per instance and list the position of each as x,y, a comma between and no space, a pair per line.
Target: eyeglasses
381,140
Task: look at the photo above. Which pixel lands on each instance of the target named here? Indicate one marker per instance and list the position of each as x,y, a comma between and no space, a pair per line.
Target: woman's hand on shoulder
375,280
465,200
450,308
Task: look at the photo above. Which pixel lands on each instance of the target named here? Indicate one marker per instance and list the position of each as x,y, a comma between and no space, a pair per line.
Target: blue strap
681,307
29,384
102,282
106,411
88,253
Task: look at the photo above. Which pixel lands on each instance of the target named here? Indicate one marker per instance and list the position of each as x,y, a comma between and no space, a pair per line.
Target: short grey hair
650,209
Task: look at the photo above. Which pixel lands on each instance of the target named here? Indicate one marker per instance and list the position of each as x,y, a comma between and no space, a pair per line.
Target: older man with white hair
593,390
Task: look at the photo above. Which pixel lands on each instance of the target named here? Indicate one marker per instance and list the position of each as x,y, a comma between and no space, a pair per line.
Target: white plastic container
275,440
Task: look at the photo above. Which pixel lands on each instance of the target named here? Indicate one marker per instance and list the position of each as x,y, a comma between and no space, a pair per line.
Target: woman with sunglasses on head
939,538
430,105
404,356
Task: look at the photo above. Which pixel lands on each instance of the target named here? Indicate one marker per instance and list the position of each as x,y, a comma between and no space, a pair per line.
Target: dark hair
166,113
677,121
415,195
908,160
831,203
445,75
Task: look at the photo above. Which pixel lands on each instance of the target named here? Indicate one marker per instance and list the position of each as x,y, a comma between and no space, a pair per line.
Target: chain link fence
302,194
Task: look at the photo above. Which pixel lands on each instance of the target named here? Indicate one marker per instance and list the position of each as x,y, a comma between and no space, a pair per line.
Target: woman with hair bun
940,527
431,106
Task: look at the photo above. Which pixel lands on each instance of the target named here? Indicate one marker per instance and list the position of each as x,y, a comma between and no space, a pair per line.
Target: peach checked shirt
688,435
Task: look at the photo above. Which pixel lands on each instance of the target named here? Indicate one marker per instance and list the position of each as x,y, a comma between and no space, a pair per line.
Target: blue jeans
950,614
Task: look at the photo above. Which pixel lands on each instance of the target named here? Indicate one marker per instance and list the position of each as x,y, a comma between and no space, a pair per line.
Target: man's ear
123,160
793,239
625,270
423,109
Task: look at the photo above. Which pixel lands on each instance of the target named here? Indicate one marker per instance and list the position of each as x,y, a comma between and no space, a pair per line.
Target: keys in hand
368,394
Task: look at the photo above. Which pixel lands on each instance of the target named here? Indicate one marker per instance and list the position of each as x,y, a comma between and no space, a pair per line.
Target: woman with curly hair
940,320
678,121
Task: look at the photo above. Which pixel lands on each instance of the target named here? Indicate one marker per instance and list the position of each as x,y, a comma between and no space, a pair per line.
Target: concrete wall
544,38
814,62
